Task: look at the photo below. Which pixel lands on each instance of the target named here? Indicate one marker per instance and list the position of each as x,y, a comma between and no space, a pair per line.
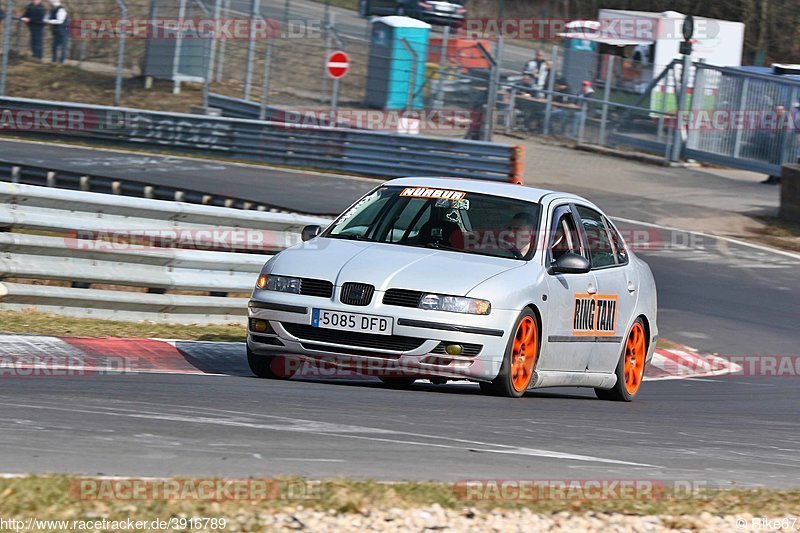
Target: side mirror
570,263
309,232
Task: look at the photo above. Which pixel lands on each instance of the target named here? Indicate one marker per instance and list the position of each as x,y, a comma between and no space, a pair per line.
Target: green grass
780,234
36,323
55,497
346,4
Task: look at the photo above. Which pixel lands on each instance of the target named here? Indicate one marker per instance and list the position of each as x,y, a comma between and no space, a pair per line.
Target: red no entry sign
337,64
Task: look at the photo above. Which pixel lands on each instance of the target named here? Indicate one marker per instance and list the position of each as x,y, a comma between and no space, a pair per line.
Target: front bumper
415,348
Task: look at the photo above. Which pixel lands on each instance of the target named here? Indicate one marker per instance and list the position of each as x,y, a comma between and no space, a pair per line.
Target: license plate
379,325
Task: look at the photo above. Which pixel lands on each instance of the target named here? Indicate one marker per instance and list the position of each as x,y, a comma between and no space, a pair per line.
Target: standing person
558,115
533,66
58,24
586,92
34,17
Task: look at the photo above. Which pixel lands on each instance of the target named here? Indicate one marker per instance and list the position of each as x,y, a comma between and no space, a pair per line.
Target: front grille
402,297
357,294
469,350
316,287
394,343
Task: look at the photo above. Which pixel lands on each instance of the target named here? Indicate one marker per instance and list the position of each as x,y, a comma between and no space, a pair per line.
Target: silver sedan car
443,279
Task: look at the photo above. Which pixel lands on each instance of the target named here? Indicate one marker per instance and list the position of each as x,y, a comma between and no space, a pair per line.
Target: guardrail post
606,99
7,23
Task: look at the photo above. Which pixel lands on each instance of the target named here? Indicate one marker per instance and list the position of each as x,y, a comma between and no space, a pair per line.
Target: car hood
388,266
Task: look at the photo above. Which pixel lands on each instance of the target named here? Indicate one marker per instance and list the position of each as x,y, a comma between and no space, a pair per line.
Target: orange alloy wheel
635,352
523,353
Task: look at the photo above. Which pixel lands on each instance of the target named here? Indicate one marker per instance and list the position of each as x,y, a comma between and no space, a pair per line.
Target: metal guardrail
240,108
137,245
93,182
332,149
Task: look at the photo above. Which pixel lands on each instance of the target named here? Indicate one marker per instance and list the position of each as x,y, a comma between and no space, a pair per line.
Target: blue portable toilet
580,52
389,70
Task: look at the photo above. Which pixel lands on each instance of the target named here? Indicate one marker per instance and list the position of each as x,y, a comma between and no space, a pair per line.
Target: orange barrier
461,52
517,164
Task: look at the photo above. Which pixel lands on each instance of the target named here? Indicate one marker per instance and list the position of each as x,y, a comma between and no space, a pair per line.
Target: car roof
496,188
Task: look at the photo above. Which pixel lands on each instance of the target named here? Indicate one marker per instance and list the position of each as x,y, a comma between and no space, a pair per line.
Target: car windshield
442,219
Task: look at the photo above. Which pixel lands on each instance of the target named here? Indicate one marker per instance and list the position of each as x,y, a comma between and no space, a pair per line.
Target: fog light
454,349
260,326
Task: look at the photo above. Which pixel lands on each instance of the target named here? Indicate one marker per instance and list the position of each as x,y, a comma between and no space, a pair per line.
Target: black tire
620,392
398,383
269,366
503,384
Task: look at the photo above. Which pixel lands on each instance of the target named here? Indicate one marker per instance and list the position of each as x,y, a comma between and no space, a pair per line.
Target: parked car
436,12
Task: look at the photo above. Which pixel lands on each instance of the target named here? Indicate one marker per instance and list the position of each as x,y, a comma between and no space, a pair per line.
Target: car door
616,288
567,349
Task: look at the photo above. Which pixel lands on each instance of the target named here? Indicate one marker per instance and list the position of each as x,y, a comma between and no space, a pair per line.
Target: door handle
591,290
631,287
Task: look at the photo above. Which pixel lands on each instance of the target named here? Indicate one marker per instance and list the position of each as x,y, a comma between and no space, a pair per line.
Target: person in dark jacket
34,17
58,24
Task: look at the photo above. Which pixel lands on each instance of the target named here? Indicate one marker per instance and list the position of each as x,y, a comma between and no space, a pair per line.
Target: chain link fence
271,56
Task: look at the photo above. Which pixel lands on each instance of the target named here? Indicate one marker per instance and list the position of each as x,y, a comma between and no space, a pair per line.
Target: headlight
455,304
278,283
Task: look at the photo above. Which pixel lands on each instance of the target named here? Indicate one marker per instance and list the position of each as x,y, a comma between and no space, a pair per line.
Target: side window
620,251
600,249
564,236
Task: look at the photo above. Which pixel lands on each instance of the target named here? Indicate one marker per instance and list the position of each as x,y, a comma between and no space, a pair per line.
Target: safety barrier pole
606,99
412,76
211,55
6,45
255,12
548,110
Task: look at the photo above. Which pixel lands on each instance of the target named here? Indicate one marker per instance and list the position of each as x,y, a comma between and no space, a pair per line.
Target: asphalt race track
269,186
730,430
